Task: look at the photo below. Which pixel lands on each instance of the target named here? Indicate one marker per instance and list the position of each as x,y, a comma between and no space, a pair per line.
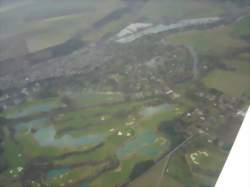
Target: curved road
195,61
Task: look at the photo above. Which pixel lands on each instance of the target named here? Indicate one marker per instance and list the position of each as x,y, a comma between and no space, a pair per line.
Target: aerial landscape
121,93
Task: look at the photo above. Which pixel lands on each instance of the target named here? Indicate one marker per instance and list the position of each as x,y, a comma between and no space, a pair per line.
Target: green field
152,177
230,83
217,41
207,163
180,9
240,64
242,27
179,170
53,23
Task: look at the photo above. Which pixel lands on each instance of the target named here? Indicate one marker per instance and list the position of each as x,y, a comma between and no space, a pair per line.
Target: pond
151,110
46,137
37,123
85,184
144,143
25,111
56,172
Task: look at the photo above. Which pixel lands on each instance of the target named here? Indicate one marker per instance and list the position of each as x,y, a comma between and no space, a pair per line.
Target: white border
236,171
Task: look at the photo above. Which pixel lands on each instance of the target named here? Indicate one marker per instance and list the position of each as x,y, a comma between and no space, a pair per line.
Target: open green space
242,27
12,153
240,65
53,23
153,177
205,158
229,82
180,9
216,41
179,170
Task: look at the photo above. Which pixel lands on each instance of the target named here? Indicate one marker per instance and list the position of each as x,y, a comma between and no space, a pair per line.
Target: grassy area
98,119
152,177
12,152
155,10
217,41
118,176
95,98
204,180
205,161
179,170
112,27
113,142
75,175
31,149
231,83
13,6
153,121
121,176
242,27
180,9
208,158
53,23
10,183
95,120
114,121
241,65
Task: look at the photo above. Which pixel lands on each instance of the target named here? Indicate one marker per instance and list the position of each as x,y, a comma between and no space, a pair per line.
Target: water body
25,111
85,184
144,143
46,137
37,123
56,172
151,110
162,28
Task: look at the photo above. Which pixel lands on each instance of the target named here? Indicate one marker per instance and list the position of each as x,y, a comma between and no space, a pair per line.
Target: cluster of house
18,96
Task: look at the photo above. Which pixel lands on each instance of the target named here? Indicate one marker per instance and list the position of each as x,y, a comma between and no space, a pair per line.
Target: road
195,61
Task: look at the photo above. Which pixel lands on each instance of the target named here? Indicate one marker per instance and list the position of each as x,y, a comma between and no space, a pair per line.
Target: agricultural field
121,93
217,41
51,23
